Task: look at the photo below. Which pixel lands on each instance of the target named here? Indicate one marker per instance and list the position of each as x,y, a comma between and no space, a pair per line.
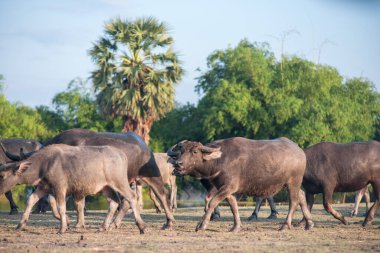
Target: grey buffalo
239,165
168,178
141,162
16,149
63,170
342,167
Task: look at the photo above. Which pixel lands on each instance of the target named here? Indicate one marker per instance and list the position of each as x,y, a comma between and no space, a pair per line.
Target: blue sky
43,44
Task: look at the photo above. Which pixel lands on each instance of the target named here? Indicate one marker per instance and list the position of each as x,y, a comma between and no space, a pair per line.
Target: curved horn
9,155
206,149
171,153
10,166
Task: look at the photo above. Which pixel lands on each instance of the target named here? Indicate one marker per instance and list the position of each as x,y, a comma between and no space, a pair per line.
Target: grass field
328,235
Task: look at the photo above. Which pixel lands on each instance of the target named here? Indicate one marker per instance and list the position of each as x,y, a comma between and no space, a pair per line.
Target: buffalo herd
80,162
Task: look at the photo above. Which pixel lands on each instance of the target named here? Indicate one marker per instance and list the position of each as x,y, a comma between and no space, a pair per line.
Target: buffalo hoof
167,227
142,231
309,225
272,216
353,214
13,211
345,222
115,224
200,227
284,227
235,229
253,217
215,217
20,226
79,226
104,228
158,210
366,223
62,231
302,223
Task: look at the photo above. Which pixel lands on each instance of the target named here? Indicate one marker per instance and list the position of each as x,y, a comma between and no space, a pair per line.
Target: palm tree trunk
139,126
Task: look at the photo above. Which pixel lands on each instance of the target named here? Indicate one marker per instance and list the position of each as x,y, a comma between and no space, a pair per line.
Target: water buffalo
141,162
359,195
166,169
239,165
342,167
62,170
15,150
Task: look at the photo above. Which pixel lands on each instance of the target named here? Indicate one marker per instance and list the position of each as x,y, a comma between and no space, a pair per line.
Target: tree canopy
137,69
246,92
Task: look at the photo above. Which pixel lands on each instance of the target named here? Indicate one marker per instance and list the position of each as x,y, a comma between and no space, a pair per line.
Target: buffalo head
188,156
18,149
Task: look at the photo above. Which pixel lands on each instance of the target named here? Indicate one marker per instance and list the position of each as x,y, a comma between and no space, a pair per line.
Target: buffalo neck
207,170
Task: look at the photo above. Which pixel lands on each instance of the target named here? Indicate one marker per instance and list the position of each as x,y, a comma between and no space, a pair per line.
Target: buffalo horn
9,155
171,153
206,149
10,166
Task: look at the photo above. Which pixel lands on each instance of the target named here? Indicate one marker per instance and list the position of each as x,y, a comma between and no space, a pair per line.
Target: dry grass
262,236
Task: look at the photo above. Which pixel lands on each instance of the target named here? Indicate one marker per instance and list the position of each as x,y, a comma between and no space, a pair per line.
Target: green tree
20,121
77,108
137,69
248,93
179,124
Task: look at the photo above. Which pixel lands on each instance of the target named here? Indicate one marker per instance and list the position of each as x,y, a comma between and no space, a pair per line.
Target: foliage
77,108
20,121
247,93
136,72
179,124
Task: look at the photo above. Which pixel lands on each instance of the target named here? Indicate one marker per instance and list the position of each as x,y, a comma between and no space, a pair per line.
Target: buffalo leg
14,208
173,194
61,203
211,191
54,209
32,200
309,224
293,203
372,211
79,205
358,198
131,197
140,201
156,184
367,199
234,209
255,214
327,204
310,202
273,211
112,200
155,201
219,196
119,217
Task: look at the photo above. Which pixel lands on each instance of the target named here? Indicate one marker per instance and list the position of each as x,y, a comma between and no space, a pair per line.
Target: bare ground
328,235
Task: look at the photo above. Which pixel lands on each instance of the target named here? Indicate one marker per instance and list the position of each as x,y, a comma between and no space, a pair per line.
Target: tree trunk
139,126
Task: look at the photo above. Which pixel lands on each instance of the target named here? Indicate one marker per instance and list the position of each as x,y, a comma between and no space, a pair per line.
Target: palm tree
136,73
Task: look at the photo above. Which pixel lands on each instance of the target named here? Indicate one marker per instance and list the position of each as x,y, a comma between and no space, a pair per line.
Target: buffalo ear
213,155
23,167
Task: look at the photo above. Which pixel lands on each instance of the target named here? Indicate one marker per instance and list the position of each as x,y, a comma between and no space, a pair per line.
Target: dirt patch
261,236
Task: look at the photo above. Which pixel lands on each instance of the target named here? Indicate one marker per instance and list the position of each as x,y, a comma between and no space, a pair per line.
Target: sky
44,43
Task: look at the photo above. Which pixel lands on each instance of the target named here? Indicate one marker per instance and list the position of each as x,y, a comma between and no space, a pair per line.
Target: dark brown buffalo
16,149
62,170
342,167
239,165
141,162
